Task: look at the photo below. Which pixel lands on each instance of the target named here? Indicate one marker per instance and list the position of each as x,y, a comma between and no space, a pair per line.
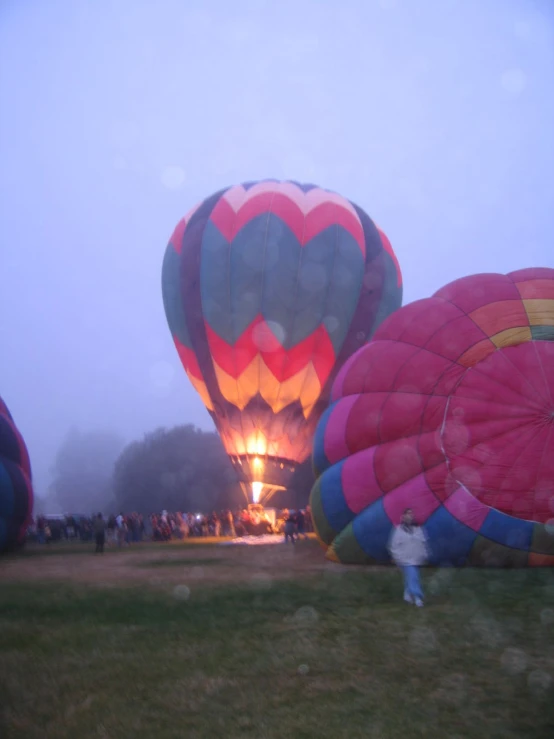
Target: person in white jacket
408,549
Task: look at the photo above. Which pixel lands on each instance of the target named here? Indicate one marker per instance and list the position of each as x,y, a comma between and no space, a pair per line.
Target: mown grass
475,662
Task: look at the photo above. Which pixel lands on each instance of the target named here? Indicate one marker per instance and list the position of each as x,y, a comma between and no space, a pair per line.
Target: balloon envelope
16,492
268,288
448,411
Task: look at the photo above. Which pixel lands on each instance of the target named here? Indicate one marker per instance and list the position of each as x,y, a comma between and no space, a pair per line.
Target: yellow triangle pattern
258,378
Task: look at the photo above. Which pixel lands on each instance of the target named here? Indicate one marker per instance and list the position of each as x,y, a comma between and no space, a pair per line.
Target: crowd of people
128,528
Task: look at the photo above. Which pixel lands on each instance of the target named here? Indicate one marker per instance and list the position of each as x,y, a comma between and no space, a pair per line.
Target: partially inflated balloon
268,288
16,492
448,411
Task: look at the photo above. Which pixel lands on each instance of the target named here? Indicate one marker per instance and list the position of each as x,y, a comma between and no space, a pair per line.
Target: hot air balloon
449,410
268,288
16,492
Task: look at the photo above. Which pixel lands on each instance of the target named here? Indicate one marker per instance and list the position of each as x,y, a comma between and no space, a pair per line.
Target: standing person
99,533
41,529
290,527
309,522
301,525
121,529
408,549
111,527
231,525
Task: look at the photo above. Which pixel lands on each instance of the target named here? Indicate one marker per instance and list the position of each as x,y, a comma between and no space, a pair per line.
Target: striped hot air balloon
268,288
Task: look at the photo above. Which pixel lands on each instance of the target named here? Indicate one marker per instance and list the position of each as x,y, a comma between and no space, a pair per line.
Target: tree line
182,468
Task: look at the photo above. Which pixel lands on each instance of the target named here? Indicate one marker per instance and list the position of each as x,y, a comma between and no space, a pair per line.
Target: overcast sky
435,116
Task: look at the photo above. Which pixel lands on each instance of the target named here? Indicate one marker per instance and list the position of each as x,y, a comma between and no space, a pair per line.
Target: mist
436,117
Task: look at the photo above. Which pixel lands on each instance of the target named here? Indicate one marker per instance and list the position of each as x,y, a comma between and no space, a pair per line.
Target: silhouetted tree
180,469
83,471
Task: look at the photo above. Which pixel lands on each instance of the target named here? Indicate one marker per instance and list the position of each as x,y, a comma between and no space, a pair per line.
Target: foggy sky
435,116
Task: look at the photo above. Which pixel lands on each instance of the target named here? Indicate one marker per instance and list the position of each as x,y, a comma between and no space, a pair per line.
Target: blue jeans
412,583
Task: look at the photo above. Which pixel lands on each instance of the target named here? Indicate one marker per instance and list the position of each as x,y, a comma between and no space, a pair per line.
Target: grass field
207,641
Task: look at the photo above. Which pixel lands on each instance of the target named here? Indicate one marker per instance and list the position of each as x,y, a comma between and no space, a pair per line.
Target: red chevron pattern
306,214
188,358
390,251
176,239
284,364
